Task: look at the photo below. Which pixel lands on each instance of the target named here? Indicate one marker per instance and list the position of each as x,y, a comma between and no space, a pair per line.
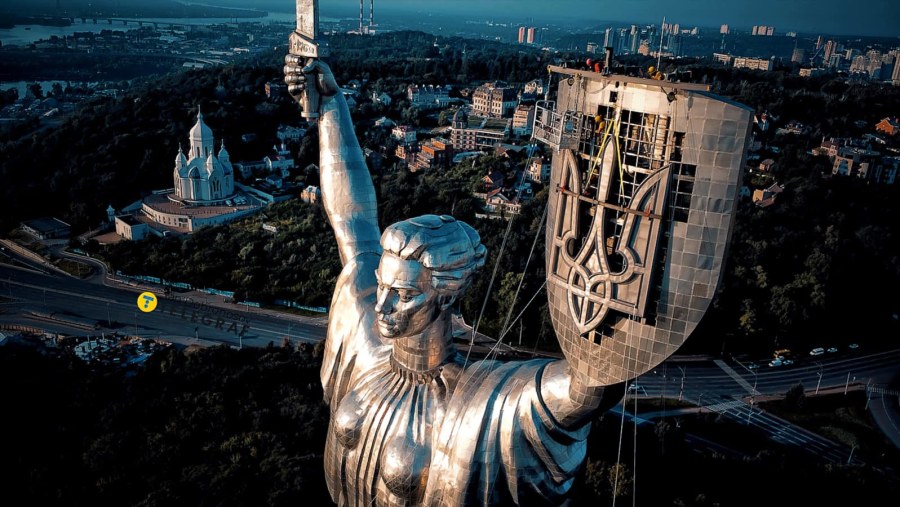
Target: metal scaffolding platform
555,129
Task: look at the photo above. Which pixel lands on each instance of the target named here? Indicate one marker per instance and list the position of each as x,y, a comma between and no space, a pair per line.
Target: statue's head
428,262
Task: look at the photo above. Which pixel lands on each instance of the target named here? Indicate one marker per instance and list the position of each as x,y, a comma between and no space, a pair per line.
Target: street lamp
847,382
868,394
851,454
108,320
819,383
681,393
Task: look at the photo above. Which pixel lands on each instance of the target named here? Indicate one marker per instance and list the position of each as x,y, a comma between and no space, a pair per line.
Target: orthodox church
205,193
202,177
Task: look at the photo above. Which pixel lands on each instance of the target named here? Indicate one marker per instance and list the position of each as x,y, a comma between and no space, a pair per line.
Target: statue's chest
383,430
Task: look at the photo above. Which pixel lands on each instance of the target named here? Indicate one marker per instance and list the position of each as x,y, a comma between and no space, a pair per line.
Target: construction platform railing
560,130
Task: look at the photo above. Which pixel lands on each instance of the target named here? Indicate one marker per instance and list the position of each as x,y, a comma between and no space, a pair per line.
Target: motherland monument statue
413,421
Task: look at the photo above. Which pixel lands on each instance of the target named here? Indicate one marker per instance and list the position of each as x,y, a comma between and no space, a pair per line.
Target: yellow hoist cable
611,126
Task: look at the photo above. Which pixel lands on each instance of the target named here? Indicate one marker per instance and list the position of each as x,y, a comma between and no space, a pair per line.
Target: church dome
223,153
201,131
180,159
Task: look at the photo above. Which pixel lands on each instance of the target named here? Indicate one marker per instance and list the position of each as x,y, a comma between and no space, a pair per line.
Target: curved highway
28,296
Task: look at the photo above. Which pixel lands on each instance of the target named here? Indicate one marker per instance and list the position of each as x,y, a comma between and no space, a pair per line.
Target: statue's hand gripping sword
304,43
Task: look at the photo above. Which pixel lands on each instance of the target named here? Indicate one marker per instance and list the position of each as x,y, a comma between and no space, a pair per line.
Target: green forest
795,271
222,427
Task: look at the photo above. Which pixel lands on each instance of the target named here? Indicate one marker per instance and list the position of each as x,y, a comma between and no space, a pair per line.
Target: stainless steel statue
411,422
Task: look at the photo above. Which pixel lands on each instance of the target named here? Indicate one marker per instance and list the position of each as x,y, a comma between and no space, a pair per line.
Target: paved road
730,388
33,296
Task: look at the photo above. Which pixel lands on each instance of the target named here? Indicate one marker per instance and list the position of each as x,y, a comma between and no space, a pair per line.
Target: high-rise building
836,61
763,30
895,77
798,56
829,50
521,35
887,70
530,37
592,47
723,29
621,41
675,45
609,38
820,42
634,42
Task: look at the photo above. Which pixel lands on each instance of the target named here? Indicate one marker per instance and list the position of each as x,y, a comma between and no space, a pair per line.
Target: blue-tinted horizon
826,17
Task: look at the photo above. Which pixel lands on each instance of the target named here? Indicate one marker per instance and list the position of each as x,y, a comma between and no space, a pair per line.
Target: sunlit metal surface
640,216
411,422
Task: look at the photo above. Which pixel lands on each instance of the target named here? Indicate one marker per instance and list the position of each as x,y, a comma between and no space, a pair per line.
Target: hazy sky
838,17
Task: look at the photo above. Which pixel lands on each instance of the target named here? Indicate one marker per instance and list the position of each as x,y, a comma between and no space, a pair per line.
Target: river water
20,35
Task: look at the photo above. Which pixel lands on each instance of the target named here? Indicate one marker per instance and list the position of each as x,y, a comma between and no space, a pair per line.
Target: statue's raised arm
347,190
439,430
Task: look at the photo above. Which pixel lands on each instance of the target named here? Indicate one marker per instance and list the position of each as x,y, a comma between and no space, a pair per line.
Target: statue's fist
300,72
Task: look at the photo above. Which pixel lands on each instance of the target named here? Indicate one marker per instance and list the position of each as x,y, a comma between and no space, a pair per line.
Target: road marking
724,406
67,293
735,376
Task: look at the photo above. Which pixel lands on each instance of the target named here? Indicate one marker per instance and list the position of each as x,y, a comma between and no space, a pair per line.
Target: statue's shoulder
352,341
357,279
490,375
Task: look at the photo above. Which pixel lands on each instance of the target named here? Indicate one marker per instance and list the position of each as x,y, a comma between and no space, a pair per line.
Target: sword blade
308,18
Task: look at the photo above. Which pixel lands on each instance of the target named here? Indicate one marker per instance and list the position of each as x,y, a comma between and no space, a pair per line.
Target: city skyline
866,18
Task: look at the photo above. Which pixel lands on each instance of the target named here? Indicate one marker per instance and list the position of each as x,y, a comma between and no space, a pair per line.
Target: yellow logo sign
147,302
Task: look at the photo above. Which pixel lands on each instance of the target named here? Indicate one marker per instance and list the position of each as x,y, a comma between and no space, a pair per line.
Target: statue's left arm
572,402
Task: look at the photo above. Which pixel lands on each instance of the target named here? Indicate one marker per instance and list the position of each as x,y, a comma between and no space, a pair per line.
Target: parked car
775,362
818,351
787,362
853,346
832,350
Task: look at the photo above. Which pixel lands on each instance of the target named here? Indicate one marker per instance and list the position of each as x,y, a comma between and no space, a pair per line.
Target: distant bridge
139,22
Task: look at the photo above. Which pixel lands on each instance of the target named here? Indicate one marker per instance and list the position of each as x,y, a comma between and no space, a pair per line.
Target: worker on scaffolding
653,73
599,126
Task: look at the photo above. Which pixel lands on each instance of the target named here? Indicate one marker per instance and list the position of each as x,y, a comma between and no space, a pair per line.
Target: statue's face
407,303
